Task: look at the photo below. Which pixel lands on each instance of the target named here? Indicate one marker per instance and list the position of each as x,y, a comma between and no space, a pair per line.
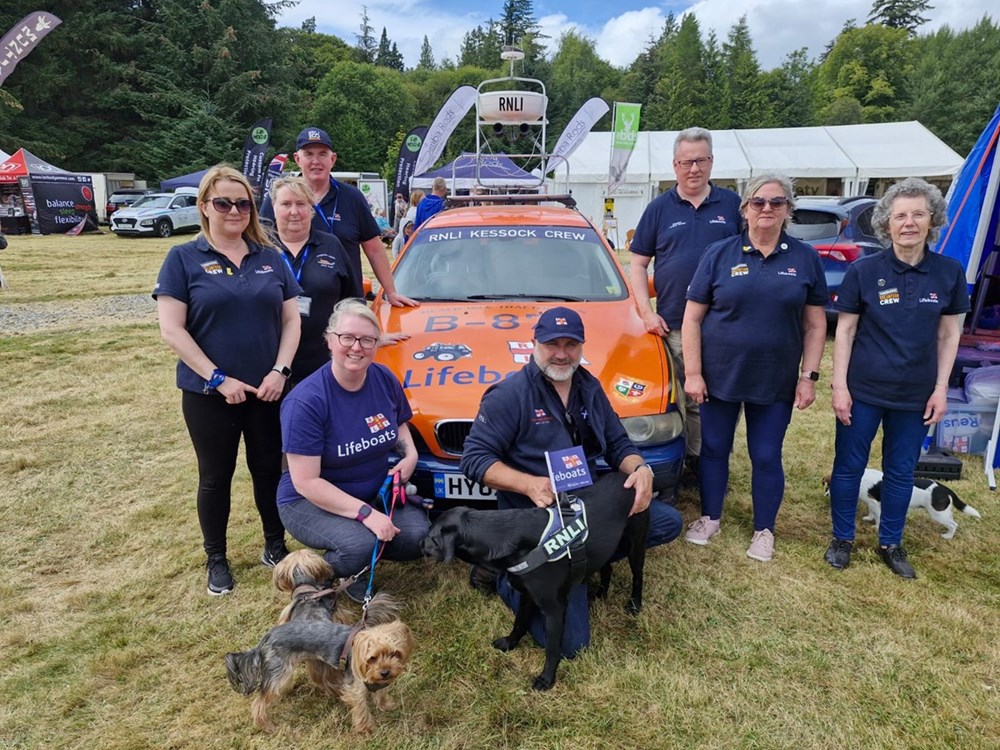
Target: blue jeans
766,426
903,434
665,524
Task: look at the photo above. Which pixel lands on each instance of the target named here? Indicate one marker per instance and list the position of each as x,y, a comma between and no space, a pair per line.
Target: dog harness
563,535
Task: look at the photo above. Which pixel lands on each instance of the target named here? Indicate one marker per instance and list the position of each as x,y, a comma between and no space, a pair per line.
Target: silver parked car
158,214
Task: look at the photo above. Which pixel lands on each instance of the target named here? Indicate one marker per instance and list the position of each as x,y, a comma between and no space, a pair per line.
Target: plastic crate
939,464
966,428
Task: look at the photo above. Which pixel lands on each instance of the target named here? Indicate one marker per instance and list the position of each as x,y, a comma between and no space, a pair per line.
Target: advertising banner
22,38
626,132
447,119
61,201
408,151
374,192
576,131
255,150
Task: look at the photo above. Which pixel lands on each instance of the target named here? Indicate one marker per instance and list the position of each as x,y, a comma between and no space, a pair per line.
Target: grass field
109,640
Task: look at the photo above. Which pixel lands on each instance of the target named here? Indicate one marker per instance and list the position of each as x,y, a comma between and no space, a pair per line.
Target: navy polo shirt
233,314
751,336
675,233
344,212
324,273
894,358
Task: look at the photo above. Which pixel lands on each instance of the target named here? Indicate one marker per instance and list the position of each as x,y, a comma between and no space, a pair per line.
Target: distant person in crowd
339,427
399,211
405,232
319,264
433,203
415,197
753,335
898,330
341,210
506,450
674,230
227,307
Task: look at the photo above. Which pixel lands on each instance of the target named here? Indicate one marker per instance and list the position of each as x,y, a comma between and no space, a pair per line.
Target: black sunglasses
775,203
224,205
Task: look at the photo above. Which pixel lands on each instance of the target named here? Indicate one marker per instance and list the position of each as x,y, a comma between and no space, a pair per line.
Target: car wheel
420,355
164,228
445,357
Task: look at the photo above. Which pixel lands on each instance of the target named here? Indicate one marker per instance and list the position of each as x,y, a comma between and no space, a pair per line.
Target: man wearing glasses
550,404
341,210
675,229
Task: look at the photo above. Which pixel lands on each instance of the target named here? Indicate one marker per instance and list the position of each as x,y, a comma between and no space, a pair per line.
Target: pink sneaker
761,546
701,531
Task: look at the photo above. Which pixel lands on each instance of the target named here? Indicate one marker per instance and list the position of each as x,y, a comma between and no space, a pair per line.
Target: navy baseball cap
558,323
313,136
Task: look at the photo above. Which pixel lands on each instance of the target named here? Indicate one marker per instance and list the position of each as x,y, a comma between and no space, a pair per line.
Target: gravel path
32,317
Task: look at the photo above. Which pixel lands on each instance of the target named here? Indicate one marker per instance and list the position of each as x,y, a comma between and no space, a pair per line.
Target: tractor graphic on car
443,352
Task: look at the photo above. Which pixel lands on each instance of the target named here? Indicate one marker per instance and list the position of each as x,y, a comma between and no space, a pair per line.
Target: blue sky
620,28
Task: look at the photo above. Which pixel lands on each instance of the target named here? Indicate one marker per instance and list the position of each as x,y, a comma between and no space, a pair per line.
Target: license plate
459,487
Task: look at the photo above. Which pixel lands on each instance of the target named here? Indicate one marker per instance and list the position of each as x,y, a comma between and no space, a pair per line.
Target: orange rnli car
483,275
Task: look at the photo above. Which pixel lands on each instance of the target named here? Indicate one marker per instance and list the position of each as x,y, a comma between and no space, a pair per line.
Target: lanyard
291,266
336,200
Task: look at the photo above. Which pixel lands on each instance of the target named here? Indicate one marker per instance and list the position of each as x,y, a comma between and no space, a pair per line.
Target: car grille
451,435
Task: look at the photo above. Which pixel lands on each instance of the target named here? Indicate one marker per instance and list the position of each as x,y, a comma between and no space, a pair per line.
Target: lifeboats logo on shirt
326,261
677,224
264,269
740,269
720,219
213,267
377,422
788,272
627,388
888,296
541,417
931,297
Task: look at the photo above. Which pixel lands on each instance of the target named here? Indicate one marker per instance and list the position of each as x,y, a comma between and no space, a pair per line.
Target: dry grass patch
109,640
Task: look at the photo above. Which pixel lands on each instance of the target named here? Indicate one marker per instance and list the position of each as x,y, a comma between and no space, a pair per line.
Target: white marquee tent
848,155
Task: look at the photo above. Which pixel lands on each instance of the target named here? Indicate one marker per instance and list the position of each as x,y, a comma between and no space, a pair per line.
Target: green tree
577,75
366,48
745,102
900,14
639,81
481,47
678,98
517,21
426,56
387,55
790,91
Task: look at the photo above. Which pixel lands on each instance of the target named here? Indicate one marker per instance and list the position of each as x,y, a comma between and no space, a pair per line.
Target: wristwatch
363,512
217,379
285,372
809,375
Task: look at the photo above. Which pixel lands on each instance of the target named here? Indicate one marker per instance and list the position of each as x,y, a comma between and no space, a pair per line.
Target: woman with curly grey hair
897,336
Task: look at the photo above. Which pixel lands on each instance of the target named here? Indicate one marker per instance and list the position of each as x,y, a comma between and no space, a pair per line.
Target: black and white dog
932,496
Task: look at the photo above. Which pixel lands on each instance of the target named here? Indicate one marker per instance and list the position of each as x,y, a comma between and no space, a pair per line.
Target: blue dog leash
390,491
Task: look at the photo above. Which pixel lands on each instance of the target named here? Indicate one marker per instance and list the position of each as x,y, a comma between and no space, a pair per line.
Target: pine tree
900,14
426,56
366,47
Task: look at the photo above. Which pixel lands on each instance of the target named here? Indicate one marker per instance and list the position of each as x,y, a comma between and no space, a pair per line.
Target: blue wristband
217,379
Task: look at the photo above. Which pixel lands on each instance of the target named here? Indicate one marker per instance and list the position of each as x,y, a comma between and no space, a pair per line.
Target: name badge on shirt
305,304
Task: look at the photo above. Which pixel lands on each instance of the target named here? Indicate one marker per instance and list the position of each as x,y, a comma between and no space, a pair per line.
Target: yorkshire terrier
346,661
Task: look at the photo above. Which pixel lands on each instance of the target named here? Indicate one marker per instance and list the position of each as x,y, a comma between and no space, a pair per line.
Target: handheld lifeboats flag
447,119
22,38
568,469
626,133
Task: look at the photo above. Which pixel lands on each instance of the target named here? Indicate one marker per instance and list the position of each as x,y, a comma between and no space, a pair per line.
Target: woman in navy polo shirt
898,330
320,265
339,427
754,314
226,305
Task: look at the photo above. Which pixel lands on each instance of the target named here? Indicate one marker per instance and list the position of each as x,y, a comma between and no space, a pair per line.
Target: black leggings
215,428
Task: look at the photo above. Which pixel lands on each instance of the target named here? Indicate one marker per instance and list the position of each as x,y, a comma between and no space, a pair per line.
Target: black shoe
482,580
838,554
895,557
274,552
220,580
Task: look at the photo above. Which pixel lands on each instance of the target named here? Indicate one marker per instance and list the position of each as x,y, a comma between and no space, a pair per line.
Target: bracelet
643,465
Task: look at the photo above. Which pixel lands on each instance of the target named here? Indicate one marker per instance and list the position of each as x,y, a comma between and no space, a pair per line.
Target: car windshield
152,201
509,262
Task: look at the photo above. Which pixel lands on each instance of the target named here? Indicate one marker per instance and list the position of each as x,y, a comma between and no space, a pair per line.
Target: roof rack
519,198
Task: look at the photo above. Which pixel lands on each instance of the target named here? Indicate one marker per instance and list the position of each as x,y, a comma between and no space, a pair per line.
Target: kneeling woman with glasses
753,336
338,429
227,307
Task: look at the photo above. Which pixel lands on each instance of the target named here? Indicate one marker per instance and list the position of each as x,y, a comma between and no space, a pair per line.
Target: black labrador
499,539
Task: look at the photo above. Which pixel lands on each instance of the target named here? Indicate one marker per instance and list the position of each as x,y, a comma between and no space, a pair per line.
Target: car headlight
657,428
146,222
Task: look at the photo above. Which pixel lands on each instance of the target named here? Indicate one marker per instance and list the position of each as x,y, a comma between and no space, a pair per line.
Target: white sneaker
761,546
701,531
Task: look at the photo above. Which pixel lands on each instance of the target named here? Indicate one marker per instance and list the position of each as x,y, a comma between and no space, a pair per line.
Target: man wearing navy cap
550,404
341,210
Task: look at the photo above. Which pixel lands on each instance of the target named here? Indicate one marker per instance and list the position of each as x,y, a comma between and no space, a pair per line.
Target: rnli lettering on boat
511,103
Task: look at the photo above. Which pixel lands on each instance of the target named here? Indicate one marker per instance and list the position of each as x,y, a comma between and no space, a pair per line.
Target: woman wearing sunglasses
339,427
227,307
753,336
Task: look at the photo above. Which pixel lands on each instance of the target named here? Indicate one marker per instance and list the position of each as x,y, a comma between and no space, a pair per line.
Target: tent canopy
49,200
184,180
494,169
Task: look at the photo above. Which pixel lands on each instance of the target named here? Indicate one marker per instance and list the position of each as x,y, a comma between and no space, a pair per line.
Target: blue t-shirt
233,314
675,234
353,432
894,358
343,212
428,206
324,273
751,336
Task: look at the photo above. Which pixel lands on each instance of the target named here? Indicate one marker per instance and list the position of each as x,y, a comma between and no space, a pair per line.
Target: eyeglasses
688,163
757,204
224,205
347,340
